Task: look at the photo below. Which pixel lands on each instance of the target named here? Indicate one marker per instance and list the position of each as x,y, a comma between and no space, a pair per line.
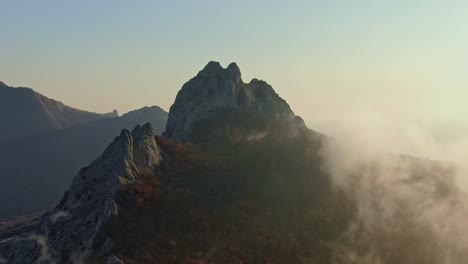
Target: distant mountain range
24,112
44,142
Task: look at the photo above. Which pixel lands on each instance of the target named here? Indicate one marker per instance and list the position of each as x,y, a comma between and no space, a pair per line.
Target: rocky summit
216,88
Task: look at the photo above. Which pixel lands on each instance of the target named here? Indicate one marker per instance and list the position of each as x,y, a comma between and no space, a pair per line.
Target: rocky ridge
67,233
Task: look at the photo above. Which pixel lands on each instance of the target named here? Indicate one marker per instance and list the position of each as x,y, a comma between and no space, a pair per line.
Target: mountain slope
249,201
205,190
197,204
236,184
24,111
42,165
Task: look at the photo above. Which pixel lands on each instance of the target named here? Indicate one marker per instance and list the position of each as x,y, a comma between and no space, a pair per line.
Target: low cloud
45,256
408,210
58,215
257,136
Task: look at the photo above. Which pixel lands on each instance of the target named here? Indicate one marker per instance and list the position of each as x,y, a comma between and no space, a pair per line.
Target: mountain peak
214,68
233,66
234,72
217,88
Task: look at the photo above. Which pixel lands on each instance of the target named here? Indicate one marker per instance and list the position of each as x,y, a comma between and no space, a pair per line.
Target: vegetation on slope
252,200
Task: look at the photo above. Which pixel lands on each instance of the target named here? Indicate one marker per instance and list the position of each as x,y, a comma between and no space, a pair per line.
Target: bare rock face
217,88
67,233
146,153
114,260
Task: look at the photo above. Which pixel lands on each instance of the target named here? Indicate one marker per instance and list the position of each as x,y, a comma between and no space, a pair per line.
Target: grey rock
108,210
217,88
90,201
114,260
146,153
23,250
107,247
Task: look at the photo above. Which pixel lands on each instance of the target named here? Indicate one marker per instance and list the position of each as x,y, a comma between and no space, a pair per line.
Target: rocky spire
90,201
146,154
122,162
233,72
217,88
212,67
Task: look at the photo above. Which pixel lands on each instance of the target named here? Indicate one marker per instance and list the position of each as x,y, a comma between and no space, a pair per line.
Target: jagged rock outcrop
68,232
146,154
216,88
54,157
114,113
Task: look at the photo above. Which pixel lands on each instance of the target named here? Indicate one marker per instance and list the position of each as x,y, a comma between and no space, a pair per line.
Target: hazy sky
404,58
